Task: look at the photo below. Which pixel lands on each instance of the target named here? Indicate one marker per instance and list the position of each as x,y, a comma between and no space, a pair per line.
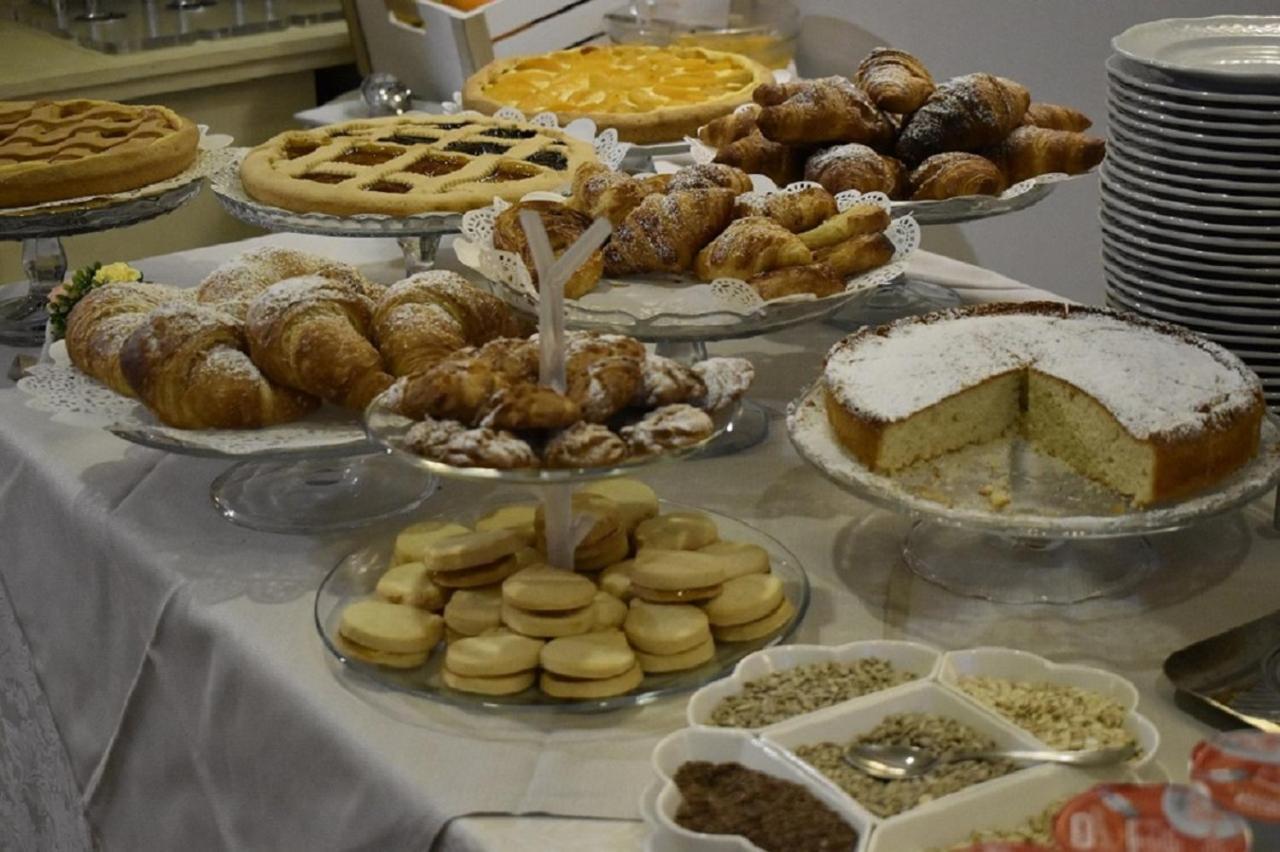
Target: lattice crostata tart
648,94
53,150
406,164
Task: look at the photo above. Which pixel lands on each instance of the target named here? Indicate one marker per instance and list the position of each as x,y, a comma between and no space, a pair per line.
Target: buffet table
164,667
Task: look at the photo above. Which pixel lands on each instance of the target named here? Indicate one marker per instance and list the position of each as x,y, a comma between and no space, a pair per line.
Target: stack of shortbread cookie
650,594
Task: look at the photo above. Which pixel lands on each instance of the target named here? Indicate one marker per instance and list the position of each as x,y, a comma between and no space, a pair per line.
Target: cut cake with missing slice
1145,408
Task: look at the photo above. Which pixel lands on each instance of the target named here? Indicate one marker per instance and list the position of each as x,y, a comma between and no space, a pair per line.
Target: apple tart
407,164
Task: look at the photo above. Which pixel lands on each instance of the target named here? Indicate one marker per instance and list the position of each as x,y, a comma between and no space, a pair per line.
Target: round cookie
495,655
616,579
691,659
665,628
487,574
758,629
373,656
560,687
738,558
635,500
593,557
468,550
411,540
606,519
503,685
409,583
675,576
549,625
518,518
610,612
541,588
384,626
743,599
472,611
588,656
677,531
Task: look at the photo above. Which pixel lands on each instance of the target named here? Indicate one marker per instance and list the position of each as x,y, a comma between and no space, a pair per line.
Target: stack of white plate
1191,184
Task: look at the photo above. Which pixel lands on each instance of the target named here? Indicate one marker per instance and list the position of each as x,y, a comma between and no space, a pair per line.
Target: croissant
236,283
729,128
756,155
563,226
710,176
189,365
796,211
857,255
860,219
750,246
1056,117
963,114
600,191
818,279
102,321
895,80
665,232
845,167
956,173
313,334
428,316
1030,151
830,109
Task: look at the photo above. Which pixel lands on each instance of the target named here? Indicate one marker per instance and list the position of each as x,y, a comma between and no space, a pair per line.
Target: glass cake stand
418,235
317,474
1004,522
356,575
23,319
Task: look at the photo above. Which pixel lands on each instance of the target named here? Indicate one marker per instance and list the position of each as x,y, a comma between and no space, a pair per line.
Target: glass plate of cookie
633,648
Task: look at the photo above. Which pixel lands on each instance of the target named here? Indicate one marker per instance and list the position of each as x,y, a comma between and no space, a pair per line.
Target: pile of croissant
891,129
269,336
695,222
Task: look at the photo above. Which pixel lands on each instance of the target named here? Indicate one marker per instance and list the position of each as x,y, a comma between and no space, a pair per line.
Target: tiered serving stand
1191,188
1060,539
682,320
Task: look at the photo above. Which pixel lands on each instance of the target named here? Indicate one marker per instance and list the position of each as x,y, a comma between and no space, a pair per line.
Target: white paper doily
212,154
959,209
58,388
673,298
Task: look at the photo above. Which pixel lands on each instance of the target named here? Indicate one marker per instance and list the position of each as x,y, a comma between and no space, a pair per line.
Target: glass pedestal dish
1004,522
23,319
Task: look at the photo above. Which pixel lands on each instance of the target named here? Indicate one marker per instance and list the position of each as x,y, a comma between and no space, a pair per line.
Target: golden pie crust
53,150
406,164
648,94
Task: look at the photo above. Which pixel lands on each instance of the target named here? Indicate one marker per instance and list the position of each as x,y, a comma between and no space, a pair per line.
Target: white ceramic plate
1215,331
1229,190
1157,112
1262,296
1208,110
1164,265
1226,196
1162,142
1186,200
1128,74
1156,210
1202,313
1260,266
1141,120
1230,48
1261,177
1187,233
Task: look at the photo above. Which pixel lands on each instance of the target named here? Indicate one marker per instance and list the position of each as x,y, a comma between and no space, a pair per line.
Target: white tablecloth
176,657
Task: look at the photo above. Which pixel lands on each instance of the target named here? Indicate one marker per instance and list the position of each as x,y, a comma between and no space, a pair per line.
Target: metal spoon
891,762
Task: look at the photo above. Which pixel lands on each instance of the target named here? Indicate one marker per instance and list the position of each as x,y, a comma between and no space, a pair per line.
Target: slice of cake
1145,408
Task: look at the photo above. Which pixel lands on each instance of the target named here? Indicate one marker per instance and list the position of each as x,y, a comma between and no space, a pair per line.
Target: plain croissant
830,109
894,79
314,334
1030,151
666,232
189,365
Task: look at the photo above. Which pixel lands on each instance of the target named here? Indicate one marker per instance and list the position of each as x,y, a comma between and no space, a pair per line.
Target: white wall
1054,47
